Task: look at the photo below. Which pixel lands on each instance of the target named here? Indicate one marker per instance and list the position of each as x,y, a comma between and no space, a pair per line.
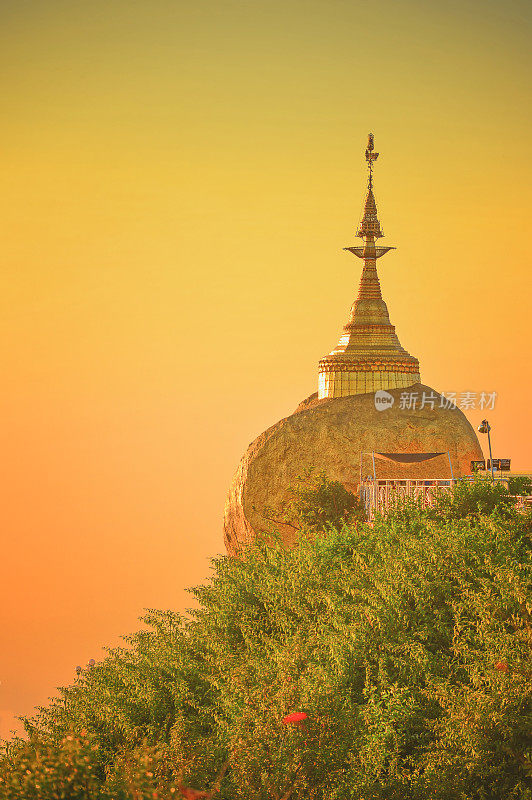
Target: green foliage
407,643
472,500
520,485
63,769
317,504
69,768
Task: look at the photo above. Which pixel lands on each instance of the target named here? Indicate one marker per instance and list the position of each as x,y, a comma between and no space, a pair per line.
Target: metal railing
380,495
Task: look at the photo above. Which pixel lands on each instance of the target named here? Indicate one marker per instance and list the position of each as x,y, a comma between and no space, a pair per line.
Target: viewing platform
423,480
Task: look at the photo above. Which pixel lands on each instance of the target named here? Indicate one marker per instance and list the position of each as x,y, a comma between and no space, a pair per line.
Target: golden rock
330,435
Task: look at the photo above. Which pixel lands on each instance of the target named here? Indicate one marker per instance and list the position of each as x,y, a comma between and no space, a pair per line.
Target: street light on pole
485,427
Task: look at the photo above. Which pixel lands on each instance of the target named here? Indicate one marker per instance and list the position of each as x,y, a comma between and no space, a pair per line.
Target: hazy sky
179,180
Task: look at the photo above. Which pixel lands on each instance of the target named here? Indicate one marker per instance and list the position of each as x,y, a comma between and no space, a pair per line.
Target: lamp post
485,427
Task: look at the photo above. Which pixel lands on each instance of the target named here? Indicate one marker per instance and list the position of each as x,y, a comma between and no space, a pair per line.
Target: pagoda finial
371,156
369,227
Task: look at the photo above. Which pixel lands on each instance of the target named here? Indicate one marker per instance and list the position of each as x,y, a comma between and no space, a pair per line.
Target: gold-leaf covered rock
330,435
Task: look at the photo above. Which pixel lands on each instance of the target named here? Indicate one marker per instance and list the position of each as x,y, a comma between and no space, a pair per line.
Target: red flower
502,666
295,718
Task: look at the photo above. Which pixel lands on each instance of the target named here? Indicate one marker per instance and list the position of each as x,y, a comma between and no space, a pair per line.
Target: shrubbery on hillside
520,485
407,645
316,504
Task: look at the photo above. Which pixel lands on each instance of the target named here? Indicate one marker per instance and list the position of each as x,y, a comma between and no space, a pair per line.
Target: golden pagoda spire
370,224
369,355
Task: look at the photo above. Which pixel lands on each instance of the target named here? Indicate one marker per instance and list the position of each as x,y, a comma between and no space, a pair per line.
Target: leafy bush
520,485
317,504
406,644
476,499
70,768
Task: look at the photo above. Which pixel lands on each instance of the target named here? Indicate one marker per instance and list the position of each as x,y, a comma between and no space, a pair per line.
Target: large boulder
330,435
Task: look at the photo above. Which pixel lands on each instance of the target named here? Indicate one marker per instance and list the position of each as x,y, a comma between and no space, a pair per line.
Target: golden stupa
369,355
331,429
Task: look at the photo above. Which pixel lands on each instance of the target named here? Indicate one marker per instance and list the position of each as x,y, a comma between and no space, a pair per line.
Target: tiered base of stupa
339,378
369,355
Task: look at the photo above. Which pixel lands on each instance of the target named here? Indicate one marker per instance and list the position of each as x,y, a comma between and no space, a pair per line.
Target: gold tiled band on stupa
369,355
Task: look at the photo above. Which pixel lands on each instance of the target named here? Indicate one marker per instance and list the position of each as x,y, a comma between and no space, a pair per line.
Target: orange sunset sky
179,180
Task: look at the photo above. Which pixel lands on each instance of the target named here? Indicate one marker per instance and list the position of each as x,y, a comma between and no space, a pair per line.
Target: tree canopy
385,661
